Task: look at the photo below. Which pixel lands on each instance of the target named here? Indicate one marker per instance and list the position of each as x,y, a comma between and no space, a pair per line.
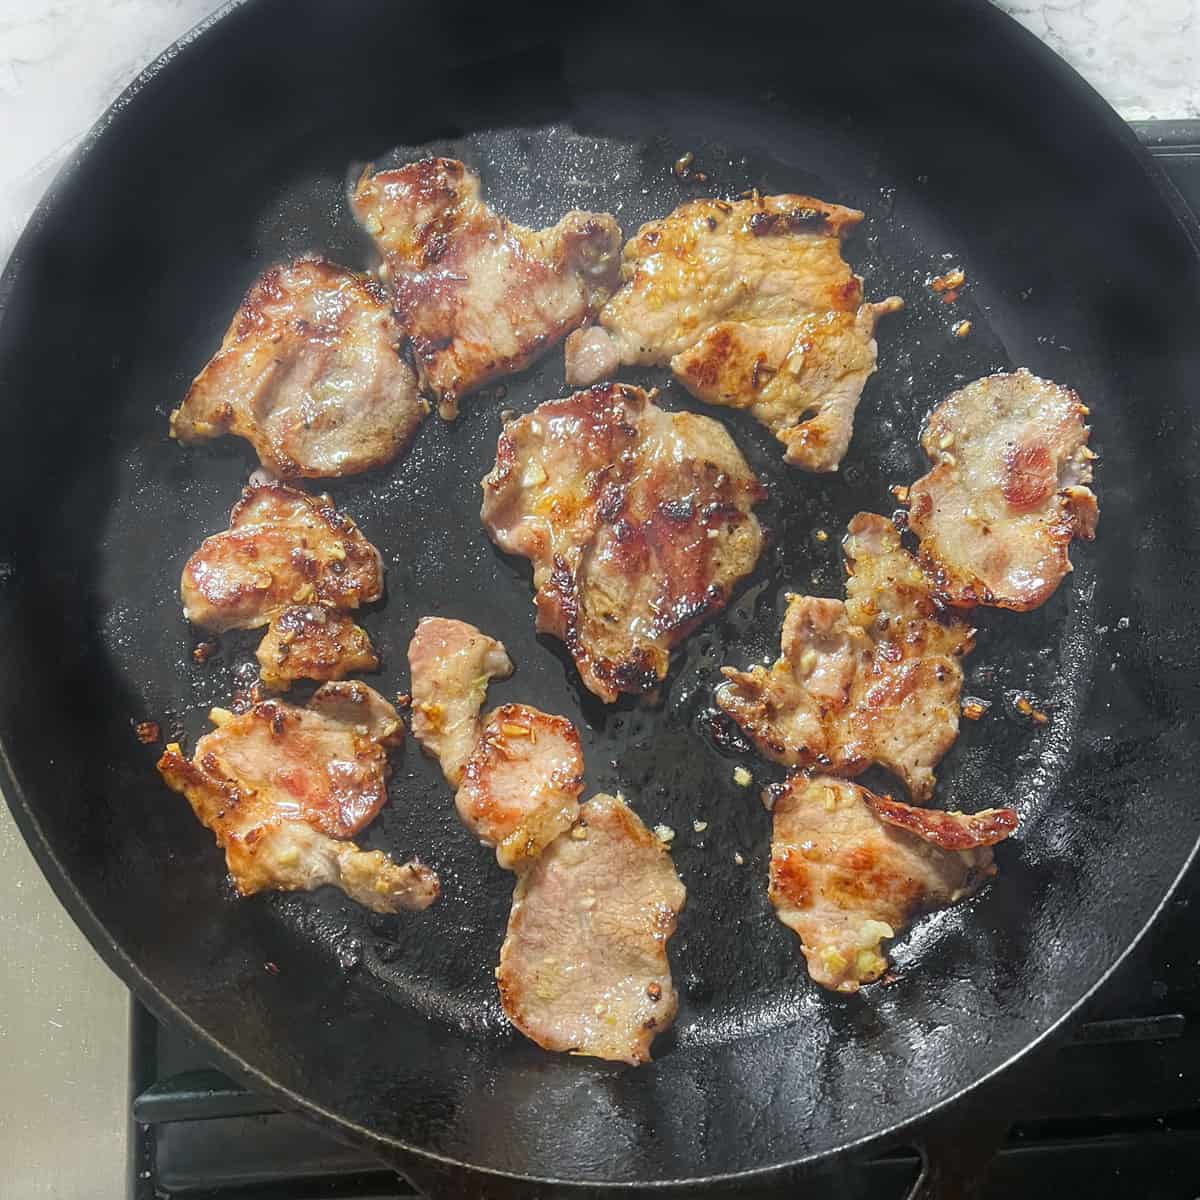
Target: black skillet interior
964,144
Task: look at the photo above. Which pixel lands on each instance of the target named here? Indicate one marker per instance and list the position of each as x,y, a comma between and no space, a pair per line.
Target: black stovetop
1114,1113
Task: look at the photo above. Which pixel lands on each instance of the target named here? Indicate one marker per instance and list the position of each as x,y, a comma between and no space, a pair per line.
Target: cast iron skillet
965,142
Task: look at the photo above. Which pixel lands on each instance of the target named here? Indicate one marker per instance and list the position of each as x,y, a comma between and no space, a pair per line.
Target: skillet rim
1037,54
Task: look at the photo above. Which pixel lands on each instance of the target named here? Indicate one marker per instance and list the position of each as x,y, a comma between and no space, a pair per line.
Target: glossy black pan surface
964,142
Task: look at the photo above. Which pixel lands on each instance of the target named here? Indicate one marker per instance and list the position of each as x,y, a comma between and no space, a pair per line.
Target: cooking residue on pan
640,522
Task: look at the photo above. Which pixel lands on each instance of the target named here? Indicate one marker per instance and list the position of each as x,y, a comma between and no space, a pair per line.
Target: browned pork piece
310,374
311,642
519,771
637,521
451,664
521,786
291,560
752,306
478,295
874,680
1007,491
283,546
284,788
849,868
584,964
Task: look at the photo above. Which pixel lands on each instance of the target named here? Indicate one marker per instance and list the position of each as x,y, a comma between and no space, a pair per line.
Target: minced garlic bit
808,660
534,476
742,777
683,168
203,652
579,833
870,933
699,826
973,707
951,281
147,732
962,329
946,441
511,729
664,833
1026,709
832,960
868,963
220,716
821,535
900,492
737,857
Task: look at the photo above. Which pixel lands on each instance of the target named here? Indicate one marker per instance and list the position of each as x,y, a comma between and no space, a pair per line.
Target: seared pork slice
803,381
310,374
283,547
284,788
520,787
876,679
584,964
451,664
478,295
753,306
849,868
518,771
312,642
1007,492
637,521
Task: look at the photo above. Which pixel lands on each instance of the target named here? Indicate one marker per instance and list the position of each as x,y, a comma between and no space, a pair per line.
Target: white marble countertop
64,1060
63,61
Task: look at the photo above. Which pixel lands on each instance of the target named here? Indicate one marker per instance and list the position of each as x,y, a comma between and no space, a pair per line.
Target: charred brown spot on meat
681,509
435,248
718,349
762,223
760,372
689,609
637,673
305,564
611,503
1028,475
790,879
805,218
848,296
